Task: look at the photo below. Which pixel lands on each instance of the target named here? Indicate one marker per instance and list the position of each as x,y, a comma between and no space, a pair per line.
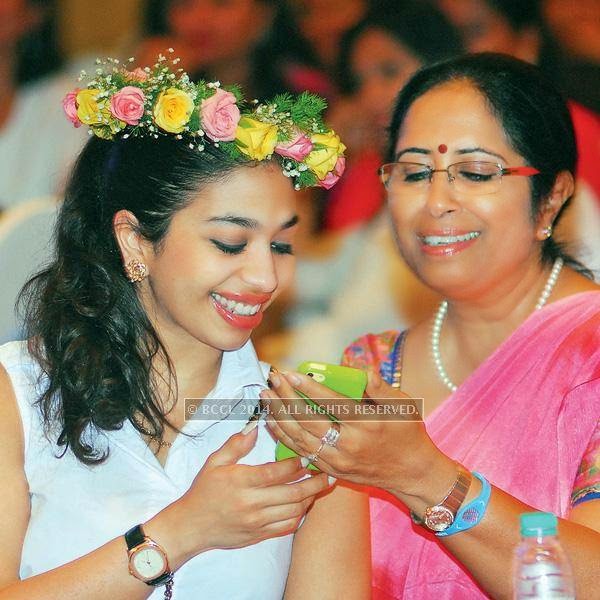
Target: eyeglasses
474,177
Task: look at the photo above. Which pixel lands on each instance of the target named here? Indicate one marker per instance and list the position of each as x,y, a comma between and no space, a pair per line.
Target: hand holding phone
347,381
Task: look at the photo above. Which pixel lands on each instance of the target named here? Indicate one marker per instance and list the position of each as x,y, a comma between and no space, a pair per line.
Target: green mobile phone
347,381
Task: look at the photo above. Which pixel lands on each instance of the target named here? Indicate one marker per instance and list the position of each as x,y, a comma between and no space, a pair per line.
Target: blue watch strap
472,513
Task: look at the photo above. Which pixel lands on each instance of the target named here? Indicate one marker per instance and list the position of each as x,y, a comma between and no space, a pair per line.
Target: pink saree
523,419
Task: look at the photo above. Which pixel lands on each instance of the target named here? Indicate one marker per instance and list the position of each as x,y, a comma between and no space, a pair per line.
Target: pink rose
70,107
138,74
333,176
220,116
128,105
298,148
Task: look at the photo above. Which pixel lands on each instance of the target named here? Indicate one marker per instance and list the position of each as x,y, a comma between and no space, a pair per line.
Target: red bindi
442,148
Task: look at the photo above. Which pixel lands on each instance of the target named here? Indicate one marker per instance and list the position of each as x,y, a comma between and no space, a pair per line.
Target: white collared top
76,509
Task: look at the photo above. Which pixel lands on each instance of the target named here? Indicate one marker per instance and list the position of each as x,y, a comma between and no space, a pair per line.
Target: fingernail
331,479
249,427
265,403
293,378
304,462
275,380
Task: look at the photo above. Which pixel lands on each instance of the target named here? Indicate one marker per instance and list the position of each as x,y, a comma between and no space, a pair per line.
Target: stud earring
136,271
547,231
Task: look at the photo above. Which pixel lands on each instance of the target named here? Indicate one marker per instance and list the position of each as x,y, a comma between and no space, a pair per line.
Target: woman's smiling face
224,259
461,244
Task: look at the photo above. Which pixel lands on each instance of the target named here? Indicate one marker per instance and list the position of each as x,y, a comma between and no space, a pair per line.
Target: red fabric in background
587,132
358,195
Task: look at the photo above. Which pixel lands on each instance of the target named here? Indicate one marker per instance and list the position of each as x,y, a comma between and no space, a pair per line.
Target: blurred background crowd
356,53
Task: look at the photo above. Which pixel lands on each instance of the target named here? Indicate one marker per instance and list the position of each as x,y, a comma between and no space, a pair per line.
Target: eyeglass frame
524,171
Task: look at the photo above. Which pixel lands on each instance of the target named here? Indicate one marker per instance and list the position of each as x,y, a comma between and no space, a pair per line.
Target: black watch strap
162,579
134,537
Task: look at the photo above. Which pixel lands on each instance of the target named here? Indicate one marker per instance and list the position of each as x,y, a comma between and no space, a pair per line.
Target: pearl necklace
443,309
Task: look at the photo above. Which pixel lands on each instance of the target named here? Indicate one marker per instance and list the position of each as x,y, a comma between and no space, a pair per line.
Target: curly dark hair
85,324
530,109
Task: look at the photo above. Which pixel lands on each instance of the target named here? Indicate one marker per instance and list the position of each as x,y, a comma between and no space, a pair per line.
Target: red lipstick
241,321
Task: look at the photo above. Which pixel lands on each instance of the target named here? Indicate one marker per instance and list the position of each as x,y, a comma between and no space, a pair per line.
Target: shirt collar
236,393
239,369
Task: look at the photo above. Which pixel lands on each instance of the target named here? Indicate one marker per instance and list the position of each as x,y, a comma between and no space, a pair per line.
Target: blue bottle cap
538,524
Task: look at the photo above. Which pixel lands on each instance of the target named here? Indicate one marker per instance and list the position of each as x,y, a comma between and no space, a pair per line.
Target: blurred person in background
333,299
576,26
252,42
35,150
323,23
377,57
515,27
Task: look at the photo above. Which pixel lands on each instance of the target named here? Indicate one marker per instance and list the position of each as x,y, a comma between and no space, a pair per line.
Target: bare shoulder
14,501
11,429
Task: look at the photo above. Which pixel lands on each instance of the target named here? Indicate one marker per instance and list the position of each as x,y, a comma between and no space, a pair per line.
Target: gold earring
136,271
547,231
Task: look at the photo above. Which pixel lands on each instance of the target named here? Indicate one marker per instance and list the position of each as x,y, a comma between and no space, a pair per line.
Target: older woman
480,168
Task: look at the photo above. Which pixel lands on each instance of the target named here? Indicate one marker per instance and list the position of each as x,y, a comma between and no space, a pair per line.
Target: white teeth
236,307
440,240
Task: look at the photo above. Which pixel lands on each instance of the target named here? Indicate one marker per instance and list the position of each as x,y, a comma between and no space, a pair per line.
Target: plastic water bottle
541,568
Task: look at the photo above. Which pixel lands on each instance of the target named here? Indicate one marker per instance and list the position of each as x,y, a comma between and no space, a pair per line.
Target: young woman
479,170
132,462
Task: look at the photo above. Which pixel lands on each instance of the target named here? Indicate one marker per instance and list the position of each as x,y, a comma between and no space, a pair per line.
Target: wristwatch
147,560
439,517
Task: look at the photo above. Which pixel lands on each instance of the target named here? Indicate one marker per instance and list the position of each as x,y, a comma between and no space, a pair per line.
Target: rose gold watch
441,516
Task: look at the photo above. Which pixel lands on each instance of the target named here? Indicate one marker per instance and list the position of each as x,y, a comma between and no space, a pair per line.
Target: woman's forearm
100,574
104,572
487,549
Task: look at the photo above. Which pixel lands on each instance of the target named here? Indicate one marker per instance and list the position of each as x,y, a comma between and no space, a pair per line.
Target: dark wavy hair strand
85,324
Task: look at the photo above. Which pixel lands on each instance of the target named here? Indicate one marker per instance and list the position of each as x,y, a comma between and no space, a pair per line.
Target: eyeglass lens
477,177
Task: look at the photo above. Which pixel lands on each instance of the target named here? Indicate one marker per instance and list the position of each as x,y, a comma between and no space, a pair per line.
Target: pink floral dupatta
523,419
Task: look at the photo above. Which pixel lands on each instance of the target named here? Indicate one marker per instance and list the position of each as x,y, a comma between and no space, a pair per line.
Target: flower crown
157,101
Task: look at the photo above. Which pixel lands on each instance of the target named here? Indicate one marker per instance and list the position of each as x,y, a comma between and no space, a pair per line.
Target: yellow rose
256,139
90,109
327,148
172,110
95,112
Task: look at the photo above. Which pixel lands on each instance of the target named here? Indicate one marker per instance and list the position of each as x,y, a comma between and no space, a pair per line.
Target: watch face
148,563
438,518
